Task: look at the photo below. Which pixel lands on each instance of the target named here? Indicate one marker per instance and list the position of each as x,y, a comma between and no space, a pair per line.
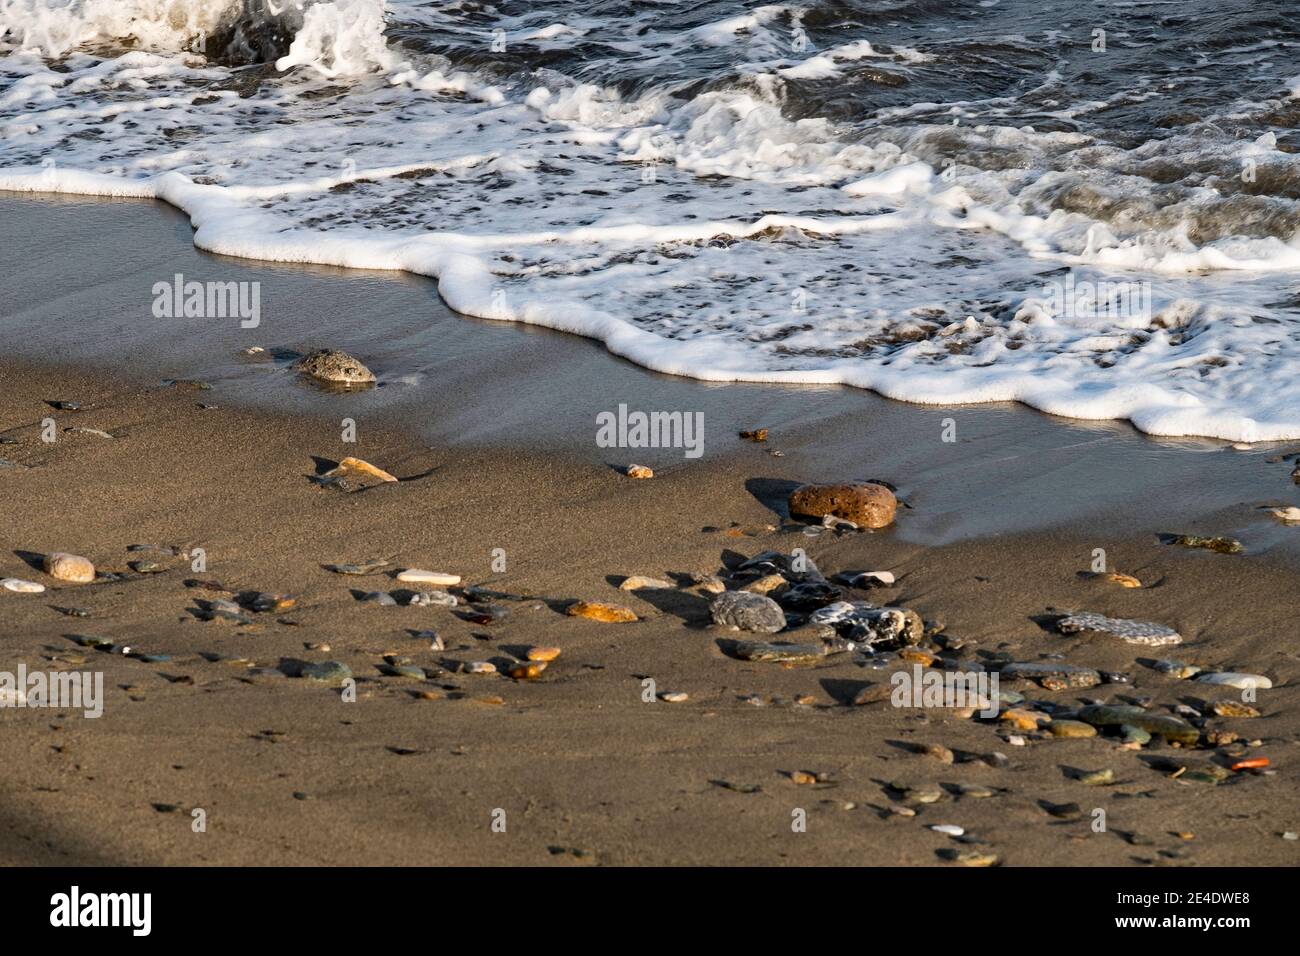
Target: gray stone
746,611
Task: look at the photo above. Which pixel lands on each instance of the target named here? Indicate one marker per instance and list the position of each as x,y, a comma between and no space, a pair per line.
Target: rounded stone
332,365
866,505
69,567
747,611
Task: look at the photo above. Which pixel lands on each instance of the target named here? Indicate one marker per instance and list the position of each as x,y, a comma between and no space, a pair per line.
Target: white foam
711,236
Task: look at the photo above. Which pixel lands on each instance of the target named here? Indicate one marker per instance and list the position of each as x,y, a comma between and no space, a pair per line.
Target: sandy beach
501,482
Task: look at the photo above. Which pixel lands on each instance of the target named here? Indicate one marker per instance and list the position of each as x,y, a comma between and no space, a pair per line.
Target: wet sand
494,435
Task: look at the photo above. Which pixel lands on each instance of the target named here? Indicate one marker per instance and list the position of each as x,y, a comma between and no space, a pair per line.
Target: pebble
597,611
1024,719
480,667
69,567
1131,734
1072,728
1097,778
1171,728
542,653
382,598
146,567
867,505
418,576
1240,681
333,365
527,670
974,791
326,672
1233,708
746,611
950,829
864,623
802,777
432,599
707,583
1133,632
757,435
766,584
21,586
637,582
1177,669
638,471
674,697
1288,515
976,858
872,579
96,432
763,652
1037,671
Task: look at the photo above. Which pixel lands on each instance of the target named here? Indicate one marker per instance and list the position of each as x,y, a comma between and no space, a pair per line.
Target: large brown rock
866,505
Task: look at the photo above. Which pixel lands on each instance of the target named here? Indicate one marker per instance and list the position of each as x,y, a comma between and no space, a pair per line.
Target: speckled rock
69,567
746,611
332,365
866,505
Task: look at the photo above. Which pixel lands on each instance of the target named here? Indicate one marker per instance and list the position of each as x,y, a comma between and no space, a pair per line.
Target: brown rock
639,471
530,670
547,654
69,567
866,505
594,610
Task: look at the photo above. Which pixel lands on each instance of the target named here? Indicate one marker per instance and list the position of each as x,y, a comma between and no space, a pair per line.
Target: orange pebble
1251,763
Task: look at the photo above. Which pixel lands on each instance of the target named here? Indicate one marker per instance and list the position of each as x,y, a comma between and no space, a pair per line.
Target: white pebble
21,586
949,828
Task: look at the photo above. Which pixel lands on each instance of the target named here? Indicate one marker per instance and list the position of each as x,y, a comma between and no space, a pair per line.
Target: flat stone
1222,545
332,365
382,598
637,582
764,652
326,672
1133,632
1072,728
542,653
69,567
1038,671
866,505
597,611
746,611
355,474
21,586
1241,681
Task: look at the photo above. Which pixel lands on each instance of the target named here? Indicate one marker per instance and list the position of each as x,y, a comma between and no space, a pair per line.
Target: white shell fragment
417,576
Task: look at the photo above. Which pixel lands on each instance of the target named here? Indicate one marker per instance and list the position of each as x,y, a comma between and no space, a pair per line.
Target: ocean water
1093,208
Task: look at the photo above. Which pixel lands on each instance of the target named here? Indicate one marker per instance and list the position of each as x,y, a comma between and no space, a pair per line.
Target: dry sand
585,770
